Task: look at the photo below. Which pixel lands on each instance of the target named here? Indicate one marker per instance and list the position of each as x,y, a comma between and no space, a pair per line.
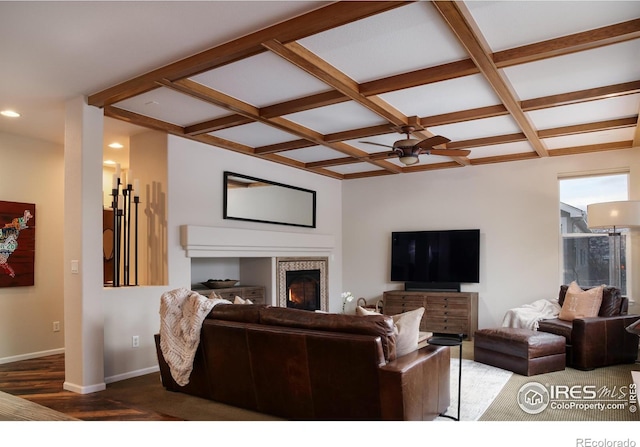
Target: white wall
196,192
514,205
33,172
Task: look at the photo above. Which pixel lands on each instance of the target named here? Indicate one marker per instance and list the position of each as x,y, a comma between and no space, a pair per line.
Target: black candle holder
122,234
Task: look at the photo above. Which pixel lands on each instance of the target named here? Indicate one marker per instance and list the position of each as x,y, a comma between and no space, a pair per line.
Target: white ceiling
53,51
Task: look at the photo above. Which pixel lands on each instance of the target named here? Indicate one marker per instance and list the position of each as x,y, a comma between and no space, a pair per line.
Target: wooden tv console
449,312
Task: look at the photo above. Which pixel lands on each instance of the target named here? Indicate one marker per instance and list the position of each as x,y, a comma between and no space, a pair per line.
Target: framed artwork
17,243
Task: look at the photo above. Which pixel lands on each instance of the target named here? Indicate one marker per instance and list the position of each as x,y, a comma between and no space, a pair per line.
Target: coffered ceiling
506,80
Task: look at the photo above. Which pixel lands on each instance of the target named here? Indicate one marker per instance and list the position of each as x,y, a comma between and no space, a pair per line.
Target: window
585,252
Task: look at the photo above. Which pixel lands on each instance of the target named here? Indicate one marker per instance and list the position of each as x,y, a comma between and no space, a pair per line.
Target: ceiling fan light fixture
409,159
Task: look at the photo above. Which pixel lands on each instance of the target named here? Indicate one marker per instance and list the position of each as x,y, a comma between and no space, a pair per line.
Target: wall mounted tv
436,257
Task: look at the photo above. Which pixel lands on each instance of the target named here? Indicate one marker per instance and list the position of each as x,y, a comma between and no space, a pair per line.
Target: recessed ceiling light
109,162
116,146
10,113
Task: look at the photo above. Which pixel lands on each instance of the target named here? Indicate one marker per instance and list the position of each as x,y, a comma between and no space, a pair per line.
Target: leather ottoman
522,351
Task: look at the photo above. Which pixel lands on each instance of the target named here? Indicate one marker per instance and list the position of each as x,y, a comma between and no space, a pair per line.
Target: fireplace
303,289
302,283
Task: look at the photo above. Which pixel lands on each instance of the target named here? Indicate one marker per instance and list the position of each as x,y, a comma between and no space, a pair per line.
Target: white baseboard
78,388
31,355
84,389
131,374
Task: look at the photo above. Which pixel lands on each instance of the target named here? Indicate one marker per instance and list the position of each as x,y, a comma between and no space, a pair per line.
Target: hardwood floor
40,381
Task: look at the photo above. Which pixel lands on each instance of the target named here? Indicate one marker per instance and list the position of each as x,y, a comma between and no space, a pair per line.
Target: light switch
74,266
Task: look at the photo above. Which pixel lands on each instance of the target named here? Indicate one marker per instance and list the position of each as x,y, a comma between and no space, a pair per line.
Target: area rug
603,394
480,385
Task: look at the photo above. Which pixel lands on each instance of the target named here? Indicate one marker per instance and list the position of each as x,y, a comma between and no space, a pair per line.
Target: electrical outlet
135,341
56,326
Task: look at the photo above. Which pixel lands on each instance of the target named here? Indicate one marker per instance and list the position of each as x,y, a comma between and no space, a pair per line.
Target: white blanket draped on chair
528,315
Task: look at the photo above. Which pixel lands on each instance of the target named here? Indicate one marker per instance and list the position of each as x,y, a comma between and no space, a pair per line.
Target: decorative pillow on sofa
217,299
240,300
580,303
407,328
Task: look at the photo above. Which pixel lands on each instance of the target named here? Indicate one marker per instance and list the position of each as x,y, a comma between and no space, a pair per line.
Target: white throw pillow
361,311
406,328
240,300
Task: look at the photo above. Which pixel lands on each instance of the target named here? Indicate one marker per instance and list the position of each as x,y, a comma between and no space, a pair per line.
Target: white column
83,309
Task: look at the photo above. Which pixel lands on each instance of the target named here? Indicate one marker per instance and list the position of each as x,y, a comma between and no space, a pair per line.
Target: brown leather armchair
598,341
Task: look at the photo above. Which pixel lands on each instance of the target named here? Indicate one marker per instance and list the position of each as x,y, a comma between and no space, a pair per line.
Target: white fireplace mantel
210,242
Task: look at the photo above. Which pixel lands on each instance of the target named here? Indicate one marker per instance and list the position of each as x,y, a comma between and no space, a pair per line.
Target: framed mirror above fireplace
258,200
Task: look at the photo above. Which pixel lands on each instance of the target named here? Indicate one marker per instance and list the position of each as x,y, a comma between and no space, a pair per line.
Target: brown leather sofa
301,365
598,341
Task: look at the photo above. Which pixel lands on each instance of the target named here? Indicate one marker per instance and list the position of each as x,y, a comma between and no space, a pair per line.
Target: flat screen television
447,256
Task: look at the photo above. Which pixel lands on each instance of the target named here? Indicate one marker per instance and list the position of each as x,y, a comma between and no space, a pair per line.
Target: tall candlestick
130,176
118,170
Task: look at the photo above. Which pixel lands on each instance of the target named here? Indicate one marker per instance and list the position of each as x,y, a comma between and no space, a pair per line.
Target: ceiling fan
409,148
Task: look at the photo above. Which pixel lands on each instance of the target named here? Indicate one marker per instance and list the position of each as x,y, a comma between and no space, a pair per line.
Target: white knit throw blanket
182,312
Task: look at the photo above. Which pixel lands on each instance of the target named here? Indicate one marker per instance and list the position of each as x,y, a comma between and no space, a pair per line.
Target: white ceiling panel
262,80
402,40
311,154
590,138
336,118
495,150
577,71
509,24
354,168
443,97
585,112
254,135
175,108
487,127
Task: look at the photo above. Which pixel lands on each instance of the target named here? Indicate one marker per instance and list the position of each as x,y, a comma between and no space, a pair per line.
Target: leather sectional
301,365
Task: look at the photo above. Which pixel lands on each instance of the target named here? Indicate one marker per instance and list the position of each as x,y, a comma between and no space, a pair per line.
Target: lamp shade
622,214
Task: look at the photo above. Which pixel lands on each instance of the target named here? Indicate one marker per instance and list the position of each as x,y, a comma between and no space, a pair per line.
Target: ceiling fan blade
377,144
433,141
450,152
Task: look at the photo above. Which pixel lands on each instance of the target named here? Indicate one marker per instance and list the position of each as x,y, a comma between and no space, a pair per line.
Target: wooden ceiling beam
142,120
600,147
304,59
504,158
592,94
460,21
419,77
363,132
487,141
225,122
333,162
599,126
301,104
464,115
286,146
587,40
331,16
